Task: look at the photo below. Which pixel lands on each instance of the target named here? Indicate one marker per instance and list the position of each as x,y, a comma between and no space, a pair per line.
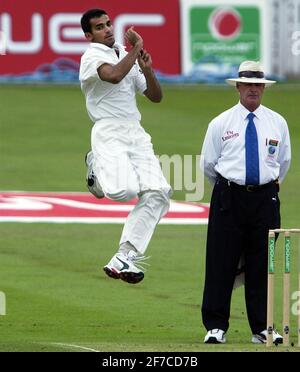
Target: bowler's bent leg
142,220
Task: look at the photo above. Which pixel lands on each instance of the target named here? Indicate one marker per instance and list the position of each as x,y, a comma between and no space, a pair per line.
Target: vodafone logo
225,23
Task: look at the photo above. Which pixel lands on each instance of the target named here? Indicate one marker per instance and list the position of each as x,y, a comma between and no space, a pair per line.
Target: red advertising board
38,32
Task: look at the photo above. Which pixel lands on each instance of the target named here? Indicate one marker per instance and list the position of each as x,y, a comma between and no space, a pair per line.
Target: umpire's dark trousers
239,221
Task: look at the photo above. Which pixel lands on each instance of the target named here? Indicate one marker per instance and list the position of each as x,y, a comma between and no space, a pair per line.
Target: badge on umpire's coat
273,142
272,146
272,150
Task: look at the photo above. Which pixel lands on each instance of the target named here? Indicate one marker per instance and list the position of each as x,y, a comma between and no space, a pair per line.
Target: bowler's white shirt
107,100
223,149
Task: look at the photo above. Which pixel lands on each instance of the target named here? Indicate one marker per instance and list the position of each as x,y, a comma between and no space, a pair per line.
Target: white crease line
74,346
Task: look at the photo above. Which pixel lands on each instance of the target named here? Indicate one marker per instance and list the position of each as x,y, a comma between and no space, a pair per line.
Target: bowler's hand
145,60
133,37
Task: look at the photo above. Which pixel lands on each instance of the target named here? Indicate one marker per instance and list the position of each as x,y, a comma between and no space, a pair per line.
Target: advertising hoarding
41,32
223,32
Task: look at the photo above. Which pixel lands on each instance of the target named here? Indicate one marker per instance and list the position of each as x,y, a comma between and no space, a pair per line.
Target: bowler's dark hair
87,16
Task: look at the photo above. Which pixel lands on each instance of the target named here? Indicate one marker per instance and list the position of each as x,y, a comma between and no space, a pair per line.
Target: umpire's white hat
250,72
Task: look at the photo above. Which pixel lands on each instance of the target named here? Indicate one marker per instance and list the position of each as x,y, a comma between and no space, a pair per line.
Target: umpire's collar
244,112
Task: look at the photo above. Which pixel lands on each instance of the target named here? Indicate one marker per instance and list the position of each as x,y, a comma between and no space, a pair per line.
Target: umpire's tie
252,161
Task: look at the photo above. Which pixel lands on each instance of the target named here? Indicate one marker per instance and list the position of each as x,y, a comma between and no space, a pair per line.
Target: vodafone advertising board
225,32
35,32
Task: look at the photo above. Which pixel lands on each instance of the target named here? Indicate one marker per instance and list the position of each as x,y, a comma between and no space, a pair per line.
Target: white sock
126,247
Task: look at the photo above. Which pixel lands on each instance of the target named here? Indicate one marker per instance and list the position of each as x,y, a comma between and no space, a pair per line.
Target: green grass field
58,298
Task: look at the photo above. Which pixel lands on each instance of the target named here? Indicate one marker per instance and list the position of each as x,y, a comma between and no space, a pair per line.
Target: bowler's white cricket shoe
126,267
215,336
261,338
91,180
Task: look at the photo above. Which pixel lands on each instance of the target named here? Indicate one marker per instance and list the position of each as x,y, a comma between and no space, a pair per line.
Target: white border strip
100,220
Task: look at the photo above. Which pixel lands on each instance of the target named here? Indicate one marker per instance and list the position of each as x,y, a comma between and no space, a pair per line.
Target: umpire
246,155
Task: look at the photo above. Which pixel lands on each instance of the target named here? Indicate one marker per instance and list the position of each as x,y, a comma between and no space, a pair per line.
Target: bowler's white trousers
126,167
